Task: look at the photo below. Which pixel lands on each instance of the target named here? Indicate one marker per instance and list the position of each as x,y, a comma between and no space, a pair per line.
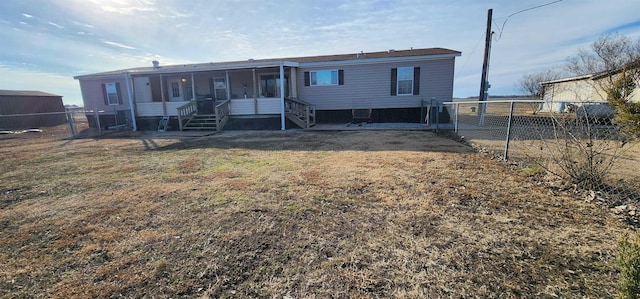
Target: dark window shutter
104,94
416,81
307,80
394,81
340,77
119,93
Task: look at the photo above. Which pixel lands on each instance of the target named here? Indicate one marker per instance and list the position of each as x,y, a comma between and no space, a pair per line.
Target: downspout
282,121
134,125
164,101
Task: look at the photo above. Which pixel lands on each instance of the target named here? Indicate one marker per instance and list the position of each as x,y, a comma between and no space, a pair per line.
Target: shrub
628,262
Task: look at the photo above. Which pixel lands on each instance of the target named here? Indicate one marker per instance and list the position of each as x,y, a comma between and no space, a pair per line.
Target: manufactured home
388,86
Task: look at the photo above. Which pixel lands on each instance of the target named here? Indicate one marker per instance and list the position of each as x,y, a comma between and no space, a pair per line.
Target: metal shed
24,109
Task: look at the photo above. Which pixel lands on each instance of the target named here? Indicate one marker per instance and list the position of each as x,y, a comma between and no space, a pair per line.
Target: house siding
93,95
368,85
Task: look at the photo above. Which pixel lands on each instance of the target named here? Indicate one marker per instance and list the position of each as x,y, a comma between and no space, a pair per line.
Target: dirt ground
295,214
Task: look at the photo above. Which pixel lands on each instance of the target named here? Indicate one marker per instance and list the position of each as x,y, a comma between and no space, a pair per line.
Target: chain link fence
578,141
73,123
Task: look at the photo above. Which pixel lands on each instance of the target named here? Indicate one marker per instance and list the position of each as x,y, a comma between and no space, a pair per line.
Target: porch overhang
214,67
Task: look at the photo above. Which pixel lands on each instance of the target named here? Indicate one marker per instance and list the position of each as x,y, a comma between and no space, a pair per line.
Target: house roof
566,79
595,76
628,66
256,63
26,93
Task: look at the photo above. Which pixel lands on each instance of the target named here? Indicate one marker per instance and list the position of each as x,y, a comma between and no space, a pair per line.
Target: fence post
457,107
422,113
438,110
71,123
97,115
506,146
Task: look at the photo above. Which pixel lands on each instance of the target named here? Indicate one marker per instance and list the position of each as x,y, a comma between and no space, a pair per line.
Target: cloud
119,45
18,78
82,24
101,36
56,25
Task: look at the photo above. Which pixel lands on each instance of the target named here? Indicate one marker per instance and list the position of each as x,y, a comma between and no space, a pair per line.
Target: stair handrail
222,114
301,110
187,111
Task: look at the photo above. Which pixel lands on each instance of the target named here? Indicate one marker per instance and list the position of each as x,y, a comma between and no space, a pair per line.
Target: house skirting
109,120
389,115
272,122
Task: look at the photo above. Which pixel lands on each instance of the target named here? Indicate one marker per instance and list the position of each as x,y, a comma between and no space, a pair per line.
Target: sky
47,42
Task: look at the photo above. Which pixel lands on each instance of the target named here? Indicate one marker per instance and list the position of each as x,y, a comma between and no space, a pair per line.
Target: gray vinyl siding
93,97
369,86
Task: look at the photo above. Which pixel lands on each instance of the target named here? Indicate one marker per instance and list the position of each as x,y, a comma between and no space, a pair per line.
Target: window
324,77
175,89
405,81
270,86
111,92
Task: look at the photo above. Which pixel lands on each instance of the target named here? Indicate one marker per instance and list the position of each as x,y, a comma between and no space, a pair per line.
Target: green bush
628,262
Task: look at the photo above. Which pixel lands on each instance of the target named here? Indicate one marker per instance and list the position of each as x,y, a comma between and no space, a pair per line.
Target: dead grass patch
305,214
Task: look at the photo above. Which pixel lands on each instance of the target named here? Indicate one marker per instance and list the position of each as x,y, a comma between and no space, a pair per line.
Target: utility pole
484,87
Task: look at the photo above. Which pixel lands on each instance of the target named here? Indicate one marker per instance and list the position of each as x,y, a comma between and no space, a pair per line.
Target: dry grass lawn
361,214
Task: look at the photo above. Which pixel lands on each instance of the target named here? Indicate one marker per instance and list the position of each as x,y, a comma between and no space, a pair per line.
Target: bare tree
606,58
530,84
614,63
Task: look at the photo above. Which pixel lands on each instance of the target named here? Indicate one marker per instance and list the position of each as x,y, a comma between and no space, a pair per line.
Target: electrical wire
517,12
469,56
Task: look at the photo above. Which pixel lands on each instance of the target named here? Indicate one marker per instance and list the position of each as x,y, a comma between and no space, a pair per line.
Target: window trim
115,92
404,80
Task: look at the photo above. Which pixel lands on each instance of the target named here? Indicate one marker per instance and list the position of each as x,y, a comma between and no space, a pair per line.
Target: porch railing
186,111
222,114
300,112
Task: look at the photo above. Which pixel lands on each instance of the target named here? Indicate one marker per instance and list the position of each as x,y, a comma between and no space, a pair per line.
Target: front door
175,90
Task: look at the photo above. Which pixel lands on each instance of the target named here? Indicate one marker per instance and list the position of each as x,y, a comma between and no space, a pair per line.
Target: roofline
566,79
200,68
261,64
379,60
192,68
596,76
118,75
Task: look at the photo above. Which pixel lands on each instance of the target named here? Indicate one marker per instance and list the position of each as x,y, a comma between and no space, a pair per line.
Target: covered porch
205,98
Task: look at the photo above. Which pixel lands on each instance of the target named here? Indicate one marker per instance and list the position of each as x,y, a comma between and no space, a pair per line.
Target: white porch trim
282,119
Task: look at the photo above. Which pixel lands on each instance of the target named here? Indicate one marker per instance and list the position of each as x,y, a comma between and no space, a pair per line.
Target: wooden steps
201,122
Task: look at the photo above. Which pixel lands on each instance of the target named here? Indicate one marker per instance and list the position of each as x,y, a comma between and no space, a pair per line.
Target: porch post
193,88
282,122
226,80
164,103
134,126
293,83
255,93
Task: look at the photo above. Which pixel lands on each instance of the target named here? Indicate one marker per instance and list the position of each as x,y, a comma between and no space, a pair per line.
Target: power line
517,12
469,57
